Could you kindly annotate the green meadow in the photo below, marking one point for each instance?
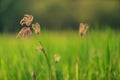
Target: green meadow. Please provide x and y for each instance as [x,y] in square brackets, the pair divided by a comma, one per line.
[94,56]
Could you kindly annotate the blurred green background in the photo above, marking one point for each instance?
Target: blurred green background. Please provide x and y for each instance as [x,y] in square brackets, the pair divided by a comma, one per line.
[60,14]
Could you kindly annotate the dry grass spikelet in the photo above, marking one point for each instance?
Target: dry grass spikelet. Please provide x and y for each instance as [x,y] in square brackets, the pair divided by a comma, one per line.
[82,28]
[36,28]
[27,20]
[25,32]
[57,58]
[33,75]
[40,48]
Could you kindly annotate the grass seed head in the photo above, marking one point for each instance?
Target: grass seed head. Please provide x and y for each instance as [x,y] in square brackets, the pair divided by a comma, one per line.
[36,28]
[57,58]
[33,75]
[25,32]
[27,20]
[41,48]
[82,29]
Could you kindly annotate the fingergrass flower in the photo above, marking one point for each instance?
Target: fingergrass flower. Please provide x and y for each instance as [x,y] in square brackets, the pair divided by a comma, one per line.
[57,58]
[27,20]
[25,32]
[33,75]
[36,28]
[82,28]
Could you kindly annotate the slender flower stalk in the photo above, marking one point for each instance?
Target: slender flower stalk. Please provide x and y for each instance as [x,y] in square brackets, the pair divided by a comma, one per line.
[76,70]
[83,27]
[47,59]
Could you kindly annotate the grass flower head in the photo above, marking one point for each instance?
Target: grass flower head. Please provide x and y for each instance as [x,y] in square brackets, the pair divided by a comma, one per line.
[27,20]
[57,58]
[82,28]
[25,32]
[36,28]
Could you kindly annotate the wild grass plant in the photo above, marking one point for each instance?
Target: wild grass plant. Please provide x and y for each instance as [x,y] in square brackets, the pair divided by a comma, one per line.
[94,56]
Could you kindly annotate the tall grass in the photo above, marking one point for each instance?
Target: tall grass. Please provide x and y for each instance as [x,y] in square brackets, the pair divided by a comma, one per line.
[97,55]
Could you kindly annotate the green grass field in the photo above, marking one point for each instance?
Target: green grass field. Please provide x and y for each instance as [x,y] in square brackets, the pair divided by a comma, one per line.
[95,56]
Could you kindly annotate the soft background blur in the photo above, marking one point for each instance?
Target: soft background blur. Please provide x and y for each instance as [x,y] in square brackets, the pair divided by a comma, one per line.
[60,14]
